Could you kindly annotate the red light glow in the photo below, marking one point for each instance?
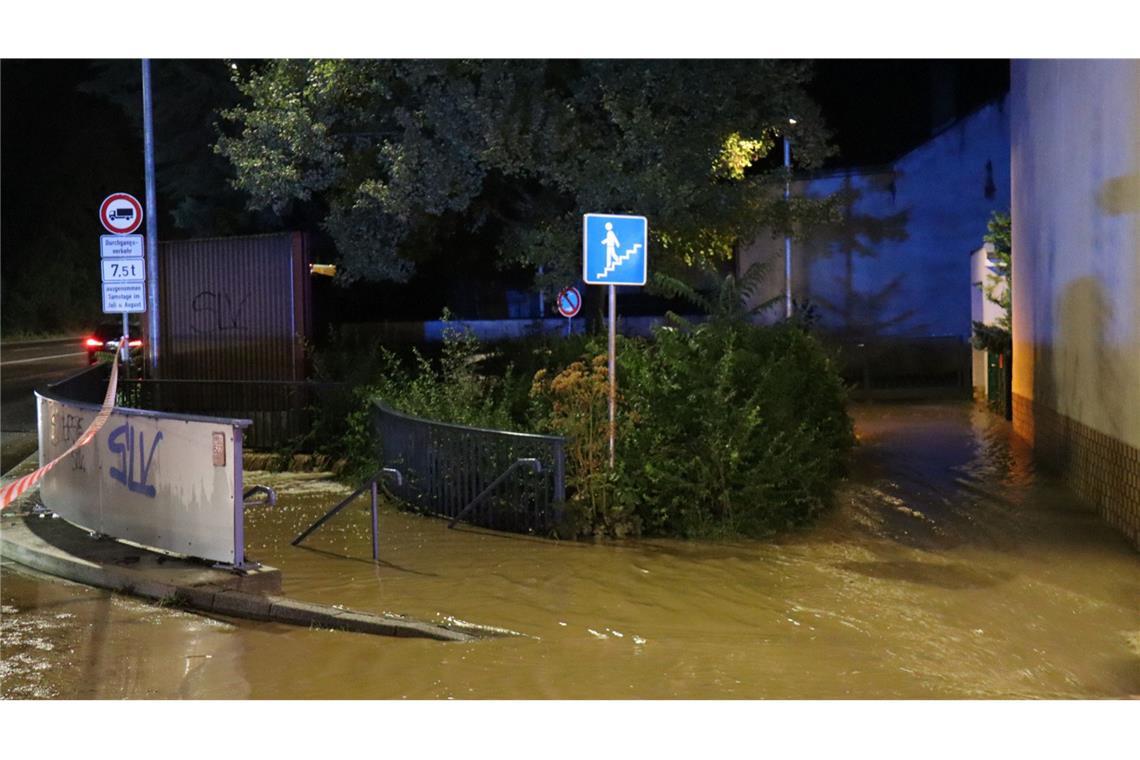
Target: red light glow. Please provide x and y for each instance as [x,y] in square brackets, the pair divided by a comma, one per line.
[93,343]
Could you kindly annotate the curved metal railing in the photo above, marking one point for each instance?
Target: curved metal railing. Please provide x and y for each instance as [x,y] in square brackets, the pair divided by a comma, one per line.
[470,473]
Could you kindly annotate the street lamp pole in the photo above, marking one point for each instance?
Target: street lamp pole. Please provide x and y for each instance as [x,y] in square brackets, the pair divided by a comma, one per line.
[152,322]
[787,235]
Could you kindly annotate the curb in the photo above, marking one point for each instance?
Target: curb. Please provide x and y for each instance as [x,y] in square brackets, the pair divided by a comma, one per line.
[53,546]
[188,584]
[37,542]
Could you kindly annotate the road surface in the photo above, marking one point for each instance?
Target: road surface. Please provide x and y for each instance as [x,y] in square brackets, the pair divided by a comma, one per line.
[24,367]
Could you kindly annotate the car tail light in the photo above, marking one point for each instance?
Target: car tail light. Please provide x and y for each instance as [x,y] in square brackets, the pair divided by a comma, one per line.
[93,343]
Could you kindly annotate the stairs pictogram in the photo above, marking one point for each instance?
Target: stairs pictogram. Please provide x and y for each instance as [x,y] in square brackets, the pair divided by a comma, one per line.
[621,259]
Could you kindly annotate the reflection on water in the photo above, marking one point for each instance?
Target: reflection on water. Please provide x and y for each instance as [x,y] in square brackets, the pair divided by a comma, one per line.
[949,568]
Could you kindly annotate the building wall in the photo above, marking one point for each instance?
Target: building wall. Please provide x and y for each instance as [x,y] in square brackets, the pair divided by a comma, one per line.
[1075,129]
[899,262]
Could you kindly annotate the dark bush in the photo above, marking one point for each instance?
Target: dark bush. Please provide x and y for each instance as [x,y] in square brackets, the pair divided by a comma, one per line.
[724,428]
[736,429]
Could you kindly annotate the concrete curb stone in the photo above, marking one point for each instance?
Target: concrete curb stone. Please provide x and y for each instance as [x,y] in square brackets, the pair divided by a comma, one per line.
[56,547]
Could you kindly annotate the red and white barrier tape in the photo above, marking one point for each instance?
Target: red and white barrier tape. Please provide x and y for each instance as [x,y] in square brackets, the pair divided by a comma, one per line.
[17,488]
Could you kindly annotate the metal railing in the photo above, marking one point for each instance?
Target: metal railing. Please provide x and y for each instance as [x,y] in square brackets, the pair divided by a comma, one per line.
[372,484]
[474,474]
[905,367]
[281,410]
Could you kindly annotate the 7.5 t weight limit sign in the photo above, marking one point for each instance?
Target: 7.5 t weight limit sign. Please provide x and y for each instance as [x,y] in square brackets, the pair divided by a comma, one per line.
[124,270]
[121,254]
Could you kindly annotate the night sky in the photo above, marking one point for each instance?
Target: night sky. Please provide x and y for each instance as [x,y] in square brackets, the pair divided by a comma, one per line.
[63,149]
[880,109]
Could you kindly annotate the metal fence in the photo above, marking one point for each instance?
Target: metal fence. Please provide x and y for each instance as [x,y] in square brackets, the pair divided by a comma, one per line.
[455,471]
[281,411]
[906,368]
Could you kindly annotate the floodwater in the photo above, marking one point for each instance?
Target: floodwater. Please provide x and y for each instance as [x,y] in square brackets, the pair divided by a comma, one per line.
[950,568]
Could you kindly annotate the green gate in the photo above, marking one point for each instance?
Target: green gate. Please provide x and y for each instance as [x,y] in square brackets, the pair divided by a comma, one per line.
[999,373]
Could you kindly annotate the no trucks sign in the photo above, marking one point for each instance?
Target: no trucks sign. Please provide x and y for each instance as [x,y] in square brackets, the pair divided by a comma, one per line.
[121,213]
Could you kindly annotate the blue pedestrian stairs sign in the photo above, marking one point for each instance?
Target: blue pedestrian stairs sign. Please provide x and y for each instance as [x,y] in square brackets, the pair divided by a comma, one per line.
[615,249]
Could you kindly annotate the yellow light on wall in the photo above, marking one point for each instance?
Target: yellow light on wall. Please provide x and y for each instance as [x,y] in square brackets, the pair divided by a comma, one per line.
[328,270]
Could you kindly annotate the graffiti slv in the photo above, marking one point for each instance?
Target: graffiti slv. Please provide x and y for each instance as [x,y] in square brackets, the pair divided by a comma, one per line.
[130,447]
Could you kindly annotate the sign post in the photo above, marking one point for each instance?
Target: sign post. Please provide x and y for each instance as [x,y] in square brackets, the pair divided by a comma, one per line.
[153,335]
[122,262]
[615,251]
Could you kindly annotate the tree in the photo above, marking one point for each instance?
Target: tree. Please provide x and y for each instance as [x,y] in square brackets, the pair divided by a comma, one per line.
[998,287]
[402,155]
[194,184]
[63,152]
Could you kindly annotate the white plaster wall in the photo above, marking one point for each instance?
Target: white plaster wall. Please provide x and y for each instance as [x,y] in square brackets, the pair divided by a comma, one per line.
[982,309]
[1075,130]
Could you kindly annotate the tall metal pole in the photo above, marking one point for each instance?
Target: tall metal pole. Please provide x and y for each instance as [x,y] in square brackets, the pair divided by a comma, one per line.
[152,325]
[613,371]
[787,236]
[541,298]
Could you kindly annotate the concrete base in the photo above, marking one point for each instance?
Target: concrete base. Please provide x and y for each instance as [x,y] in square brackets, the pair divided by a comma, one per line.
[54,546]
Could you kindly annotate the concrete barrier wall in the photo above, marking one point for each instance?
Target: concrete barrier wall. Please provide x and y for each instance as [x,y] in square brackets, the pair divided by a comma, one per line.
[171,482]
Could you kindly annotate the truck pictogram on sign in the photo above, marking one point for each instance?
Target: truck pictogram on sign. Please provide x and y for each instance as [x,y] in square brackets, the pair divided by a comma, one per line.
[121,213]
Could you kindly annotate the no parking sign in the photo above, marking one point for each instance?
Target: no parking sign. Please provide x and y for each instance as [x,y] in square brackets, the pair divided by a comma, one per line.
[569,302]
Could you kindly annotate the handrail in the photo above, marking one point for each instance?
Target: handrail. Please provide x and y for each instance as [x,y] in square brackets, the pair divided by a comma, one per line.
[131,411]
[448,468]
[467,428]
[269,493]
[371,483]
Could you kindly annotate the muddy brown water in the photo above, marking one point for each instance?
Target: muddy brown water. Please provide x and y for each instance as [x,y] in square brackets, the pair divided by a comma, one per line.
[949,568]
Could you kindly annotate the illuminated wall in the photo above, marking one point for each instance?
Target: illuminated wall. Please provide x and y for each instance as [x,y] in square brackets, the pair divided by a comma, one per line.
[899,262]
[1075,130]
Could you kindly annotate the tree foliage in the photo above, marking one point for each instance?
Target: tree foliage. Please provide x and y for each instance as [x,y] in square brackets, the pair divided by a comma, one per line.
[998,287]
[402,152]
[193,182]
[726,428]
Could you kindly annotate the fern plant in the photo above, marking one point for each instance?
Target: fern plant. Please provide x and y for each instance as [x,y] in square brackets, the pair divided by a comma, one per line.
[723,299]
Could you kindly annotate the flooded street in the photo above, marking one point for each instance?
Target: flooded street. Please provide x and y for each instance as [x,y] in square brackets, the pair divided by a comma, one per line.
[950,568]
